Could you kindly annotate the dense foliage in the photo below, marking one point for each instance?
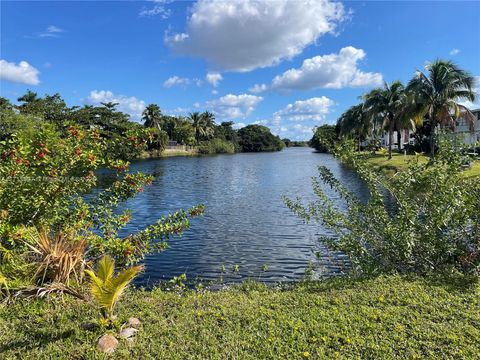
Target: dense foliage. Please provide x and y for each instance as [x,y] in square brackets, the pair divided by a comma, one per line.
[423,219]
[255,138]
[49,230]
[324,138]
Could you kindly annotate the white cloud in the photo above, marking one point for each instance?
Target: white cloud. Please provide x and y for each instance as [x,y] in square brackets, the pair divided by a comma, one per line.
[214,78]
[51,31]
[258,88]
[127,104]
[334,71]
[158,9]
[234,106]
[23,73]
[176,80]
[242,35]
[313,109]
[239,125]
[454,52]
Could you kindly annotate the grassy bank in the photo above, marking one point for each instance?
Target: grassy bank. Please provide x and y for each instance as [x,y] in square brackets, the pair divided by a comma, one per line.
[388,317]
[400,161]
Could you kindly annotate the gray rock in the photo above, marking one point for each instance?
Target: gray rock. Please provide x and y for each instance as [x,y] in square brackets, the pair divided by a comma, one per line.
[127,333]
[89,326]
[134,322]
[107,343]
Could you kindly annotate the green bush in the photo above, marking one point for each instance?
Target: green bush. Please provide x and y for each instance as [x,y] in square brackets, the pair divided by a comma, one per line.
[256,138]
[324,138]
[216,146]
[431,224]
[45,216]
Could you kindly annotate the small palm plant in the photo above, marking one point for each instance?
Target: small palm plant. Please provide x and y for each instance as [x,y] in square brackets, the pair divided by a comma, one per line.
[107,288]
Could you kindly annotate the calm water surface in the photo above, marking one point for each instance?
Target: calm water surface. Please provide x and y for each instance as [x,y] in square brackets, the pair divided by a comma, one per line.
[245,223]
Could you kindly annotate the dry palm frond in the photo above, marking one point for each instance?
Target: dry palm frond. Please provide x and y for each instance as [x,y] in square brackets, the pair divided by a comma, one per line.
[42,291]
[59,256]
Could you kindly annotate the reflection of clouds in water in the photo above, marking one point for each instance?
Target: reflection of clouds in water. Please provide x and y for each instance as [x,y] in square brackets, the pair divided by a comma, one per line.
[245,222]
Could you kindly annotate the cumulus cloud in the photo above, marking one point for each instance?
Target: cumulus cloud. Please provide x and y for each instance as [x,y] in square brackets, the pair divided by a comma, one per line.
[334,71]
[234,106]
[214,78]
[313,109]
[454,52]
[23,73]
[182,81]
[242,35]
[157,9]
[127,104]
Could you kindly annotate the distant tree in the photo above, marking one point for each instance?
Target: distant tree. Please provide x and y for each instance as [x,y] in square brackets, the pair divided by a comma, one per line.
[203,123]
[355,122]
[324,138]
[255,138]
[152,116]
[287,142]
[390,105]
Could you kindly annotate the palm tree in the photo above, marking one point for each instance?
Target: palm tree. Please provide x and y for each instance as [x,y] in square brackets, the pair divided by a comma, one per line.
[203,123]
[152,116]
[390,106]
[208,123]
[436,95]
[355,122]
[107,288]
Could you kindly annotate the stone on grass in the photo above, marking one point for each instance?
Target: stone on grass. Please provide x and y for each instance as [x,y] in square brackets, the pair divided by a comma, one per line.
[89,326]
[107,343]
[127,333]
[134,322]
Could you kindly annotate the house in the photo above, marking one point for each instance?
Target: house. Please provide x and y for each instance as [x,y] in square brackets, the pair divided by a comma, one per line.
[463,133]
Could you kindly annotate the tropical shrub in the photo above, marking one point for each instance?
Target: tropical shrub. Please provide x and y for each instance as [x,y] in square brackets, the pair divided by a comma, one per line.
[49,229]
[216,146]
[423,219]
[324,138]
[255,138]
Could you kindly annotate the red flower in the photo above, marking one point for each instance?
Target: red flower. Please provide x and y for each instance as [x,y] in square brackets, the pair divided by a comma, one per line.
[19,161]
[41,154]
[78,151]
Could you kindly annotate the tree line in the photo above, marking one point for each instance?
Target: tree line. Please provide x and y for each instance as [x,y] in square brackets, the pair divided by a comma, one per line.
[430,101]
[128,139]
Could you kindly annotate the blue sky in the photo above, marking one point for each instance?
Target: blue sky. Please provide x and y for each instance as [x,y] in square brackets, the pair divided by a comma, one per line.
[288,64]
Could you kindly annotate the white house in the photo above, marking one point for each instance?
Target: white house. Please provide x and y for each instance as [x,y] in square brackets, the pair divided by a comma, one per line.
[462,133]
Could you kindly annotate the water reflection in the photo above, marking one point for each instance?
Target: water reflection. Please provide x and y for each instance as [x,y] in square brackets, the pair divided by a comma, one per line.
[245,222]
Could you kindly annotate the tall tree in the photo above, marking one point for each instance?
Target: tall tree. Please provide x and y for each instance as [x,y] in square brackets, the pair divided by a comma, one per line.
[152,116]
[390,106]
[437,93]
[355,122]
[203,123]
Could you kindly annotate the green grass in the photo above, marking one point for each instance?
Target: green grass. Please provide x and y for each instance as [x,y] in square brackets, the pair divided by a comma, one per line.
[383,318]
[400,162]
